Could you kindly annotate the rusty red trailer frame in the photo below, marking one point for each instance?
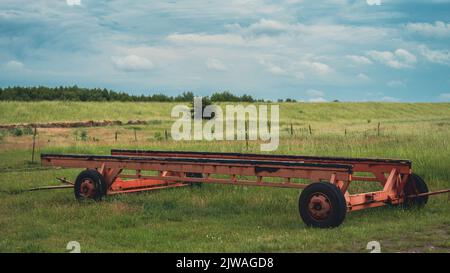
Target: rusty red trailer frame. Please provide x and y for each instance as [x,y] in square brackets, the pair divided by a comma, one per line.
[324,201]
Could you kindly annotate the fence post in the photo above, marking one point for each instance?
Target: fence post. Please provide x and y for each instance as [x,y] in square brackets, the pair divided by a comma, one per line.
[115,136]
[135,135]
[34,144]
[310,130]
[292,130]
[378,129]
[166,135]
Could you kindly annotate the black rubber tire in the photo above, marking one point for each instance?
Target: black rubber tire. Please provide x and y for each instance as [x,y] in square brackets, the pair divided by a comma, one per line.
[415,185]
[335,198]
[98,181]
[195,175]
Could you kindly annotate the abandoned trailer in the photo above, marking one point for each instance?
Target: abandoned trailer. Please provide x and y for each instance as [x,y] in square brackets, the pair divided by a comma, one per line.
[324,201]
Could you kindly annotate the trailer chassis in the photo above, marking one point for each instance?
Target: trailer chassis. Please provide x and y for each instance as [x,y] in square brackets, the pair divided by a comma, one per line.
[324,201]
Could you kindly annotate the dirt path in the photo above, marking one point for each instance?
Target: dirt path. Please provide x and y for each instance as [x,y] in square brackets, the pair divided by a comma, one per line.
[76,124]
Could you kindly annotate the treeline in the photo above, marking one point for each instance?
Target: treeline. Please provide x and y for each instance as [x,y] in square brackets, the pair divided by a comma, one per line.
[75,93]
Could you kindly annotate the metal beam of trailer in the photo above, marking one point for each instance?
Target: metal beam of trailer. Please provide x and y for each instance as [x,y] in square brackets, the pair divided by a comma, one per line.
[359,164]
[294,158]
[369,169]
[193,160]
[177,168]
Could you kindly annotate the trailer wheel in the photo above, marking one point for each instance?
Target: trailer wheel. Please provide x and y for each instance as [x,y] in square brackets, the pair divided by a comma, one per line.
[415,185]
[90,184]
[195,175]
[322,205]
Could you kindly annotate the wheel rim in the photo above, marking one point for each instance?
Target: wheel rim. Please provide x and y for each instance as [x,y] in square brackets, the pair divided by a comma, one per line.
[319,206]
[87,188]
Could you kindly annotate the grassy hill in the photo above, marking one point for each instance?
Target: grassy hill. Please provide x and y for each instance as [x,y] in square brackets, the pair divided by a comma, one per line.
[51,111]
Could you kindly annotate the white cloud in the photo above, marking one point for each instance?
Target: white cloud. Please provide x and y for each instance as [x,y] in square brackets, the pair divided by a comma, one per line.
[396,83]
[315,93]
[363,77]
[406,56]
[359,59]
[398,59]
[264,26]
[73,2]
[292,50]
[390,99]
[207,39]
[303,33]
[438,29]
[445,96]
[276,70]
[292,2]
[272,68]
[373,2]
[308,67]
[132,63]
[317,67]
[299,75]
[435,56]
[251,7]
[318,99]
[13,65]
[215,64]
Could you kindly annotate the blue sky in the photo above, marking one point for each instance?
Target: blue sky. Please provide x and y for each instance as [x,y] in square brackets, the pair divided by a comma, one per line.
[365,50]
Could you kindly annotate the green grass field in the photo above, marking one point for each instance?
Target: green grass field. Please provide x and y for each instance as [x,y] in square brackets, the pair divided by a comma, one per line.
[219,218]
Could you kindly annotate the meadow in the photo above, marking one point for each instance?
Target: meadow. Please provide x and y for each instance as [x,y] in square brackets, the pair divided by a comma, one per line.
[218,218]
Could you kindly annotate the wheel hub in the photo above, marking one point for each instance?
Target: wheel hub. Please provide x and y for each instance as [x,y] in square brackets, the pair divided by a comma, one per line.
[319,206]
[87,188]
